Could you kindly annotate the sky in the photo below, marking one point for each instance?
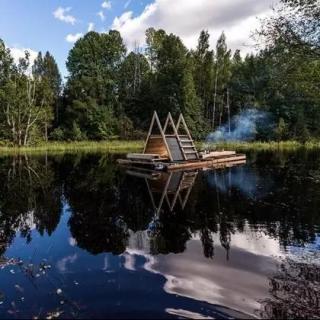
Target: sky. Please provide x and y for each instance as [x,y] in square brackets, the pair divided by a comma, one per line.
[55,25]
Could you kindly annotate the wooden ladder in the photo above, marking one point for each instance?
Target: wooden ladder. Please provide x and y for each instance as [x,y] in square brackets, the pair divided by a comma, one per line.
[185,141]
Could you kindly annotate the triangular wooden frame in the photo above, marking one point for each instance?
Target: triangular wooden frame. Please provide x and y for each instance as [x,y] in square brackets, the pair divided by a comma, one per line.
[155,119]
[176,147]
[176,196]
[170,121]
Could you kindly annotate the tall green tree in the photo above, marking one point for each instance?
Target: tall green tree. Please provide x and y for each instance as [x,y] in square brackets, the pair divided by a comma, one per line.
[203,65]
[45,71]
[133,83]
[92,87]
[172,84]
[295,25]
[222,76]
[22,101]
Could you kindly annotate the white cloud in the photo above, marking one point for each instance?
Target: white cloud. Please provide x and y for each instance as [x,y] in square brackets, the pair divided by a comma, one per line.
[18,53]
[186,18]
[90,26]
[73,37]
[106,5]
[61,14]
[101,15]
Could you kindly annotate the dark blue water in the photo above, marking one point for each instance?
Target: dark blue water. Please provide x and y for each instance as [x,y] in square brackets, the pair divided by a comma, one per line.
[81,237]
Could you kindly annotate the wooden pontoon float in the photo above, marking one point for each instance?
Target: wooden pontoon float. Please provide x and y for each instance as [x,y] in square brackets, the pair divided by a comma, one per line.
[172,148]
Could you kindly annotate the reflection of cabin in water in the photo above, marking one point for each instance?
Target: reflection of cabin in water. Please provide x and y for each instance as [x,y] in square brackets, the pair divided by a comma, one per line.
[172,188]
[171,147]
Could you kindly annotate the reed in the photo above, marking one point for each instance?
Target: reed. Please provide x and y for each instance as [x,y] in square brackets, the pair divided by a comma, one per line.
[118,146]
[114,146]
[262,146]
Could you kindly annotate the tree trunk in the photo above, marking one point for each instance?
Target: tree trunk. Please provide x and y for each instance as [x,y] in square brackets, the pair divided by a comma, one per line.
[46,132]
[214,99]
[228,106]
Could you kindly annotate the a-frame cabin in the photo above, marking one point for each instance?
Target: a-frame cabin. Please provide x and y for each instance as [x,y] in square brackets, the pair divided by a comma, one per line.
[171,147]
[172,142]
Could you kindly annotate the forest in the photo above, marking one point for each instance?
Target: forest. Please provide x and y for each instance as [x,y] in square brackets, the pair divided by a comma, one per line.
[111,93]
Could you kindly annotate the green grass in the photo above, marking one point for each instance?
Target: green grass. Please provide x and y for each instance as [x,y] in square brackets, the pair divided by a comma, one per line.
[117,146]
[262,146]
[114,146]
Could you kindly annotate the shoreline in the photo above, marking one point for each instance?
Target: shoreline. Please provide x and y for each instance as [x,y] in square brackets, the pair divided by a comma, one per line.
[121,146]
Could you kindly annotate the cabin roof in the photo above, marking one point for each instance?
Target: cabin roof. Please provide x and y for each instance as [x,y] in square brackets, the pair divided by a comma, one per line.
[172,141]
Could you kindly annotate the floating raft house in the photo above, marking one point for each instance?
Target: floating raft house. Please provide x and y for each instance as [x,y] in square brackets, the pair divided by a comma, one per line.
[171,147]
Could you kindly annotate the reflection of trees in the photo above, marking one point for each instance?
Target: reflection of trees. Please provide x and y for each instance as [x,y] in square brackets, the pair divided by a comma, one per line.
[294,292]
[106,203]
[29,197]
[172,235]
[92,192]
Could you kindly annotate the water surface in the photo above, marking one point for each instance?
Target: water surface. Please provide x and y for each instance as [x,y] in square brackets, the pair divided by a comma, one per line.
[81,237]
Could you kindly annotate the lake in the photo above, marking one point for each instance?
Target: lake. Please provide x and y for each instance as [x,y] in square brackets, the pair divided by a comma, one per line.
[81,237]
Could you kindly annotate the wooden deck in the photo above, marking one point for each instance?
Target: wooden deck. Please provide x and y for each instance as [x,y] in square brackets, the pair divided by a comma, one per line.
[172,148]
[216,162]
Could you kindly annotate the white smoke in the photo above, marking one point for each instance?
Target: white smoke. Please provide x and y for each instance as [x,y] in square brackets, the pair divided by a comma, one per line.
[243,127]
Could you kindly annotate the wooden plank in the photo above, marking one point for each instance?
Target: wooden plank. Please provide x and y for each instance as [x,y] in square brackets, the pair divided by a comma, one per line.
[217,154]
[206,163]
[150,131]
[144,156]
[193,156]
[163,137]
[156,145]
[147,148]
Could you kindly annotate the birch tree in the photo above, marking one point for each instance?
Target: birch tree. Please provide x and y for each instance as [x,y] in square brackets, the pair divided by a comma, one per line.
[21,109]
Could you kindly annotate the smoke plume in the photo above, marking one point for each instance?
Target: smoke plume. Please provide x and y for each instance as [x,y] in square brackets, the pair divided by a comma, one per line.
[243,127]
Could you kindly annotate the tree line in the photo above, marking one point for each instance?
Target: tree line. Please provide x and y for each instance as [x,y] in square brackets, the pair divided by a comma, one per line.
[110,92]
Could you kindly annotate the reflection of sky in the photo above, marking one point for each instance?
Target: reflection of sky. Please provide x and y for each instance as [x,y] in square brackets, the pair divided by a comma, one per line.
[137,282]
[238,283]
[309,250]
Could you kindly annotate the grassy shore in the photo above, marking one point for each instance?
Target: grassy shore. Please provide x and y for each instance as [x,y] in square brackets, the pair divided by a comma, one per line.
[113,146]
[117,146]
[263,146]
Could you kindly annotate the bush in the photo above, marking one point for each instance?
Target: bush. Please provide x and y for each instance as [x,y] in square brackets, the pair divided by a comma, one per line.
[57,135]
[76,134]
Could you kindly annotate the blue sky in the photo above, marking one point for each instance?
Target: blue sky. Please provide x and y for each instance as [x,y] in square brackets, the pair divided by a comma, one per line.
[53,25]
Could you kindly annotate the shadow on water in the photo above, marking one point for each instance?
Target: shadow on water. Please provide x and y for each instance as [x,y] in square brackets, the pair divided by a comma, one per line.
[61,217]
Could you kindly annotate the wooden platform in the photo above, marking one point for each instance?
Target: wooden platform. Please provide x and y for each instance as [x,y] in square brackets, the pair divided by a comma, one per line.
[216,162]
[172,148]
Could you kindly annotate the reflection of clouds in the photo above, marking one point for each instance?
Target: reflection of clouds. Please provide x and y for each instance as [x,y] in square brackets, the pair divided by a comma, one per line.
[237,284]
[27,221]
[62,264]
[186,314]
[129,261]
[72,242]
[139,240]
[254,242]
[106,264]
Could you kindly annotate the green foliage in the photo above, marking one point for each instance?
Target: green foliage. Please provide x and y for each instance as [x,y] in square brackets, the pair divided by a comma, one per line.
[76,134]
[112,94]
[57,134]
[281,130]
